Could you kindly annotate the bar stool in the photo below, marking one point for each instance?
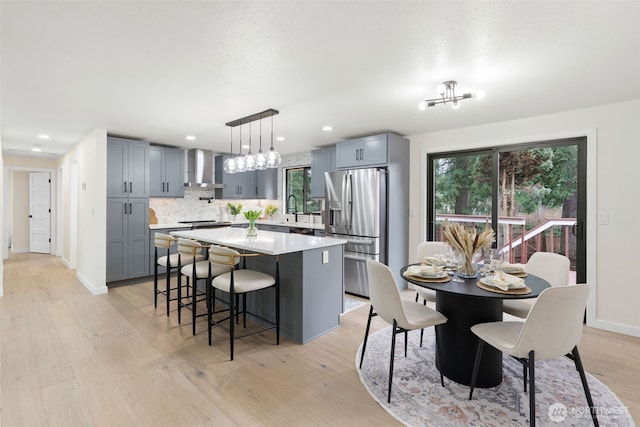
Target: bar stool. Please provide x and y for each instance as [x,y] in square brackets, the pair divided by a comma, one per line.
[195,267]
[164,242]
[239,282]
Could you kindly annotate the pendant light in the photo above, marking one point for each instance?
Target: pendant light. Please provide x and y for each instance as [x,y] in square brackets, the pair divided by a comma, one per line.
[241,165]
[229,164]
[273,157]
[250,159]
[261,159]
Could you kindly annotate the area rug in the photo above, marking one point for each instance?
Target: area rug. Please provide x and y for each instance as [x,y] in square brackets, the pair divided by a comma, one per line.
[351,304]
[418,398]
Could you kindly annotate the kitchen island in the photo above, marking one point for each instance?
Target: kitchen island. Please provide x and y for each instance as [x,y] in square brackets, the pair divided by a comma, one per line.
[311,277]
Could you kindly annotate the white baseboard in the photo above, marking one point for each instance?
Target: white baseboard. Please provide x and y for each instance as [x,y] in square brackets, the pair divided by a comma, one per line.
[615,327]
[19,250]
[65,262]
[93,289]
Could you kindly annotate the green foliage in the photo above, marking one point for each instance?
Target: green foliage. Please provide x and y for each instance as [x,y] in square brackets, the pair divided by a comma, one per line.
[253,214]
[271,210]
[234,209]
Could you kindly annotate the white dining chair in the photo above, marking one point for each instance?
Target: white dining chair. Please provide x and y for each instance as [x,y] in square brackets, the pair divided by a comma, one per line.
[554,268]
[403,315]
[426,249]
[552,329]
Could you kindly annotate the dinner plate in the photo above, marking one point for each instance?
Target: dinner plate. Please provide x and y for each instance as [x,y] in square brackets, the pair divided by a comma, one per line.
[488,280]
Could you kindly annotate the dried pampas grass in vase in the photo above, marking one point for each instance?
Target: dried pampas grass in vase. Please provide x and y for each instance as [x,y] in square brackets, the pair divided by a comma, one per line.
[468,241]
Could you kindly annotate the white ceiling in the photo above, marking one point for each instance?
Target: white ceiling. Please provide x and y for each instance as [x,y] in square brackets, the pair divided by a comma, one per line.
[162,70]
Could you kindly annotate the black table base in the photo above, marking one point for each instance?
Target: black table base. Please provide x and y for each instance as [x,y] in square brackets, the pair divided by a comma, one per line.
[458,344]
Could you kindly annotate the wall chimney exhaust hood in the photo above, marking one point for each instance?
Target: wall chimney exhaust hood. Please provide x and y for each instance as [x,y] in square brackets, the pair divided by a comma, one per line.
[200,169]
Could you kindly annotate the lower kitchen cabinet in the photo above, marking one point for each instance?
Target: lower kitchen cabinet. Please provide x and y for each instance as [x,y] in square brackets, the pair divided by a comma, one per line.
[276,228]
[127,238]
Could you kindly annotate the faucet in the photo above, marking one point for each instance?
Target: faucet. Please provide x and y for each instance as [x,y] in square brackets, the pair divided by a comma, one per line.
[295,206]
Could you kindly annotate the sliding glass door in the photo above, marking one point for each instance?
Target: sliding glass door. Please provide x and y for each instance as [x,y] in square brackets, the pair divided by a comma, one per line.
[533,195]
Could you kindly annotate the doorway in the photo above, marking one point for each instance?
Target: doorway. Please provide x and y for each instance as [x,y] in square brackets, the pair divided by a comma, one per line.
[40,212]
[533,195]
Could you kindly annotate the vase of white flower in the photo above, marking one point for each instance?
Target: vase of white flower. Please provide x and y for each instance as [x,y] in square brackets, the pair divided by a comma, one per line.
[468,242]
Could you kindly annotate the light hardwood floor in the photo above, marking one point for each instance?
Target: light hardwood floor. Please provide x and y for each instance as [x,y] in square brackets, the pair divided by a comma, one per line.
[72,359]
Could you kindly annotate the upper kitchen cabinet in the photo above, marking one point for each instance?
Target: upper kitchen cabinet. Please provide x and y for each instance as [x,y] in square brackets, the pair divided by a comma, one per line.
[267,184]
[127,168]
[166,173]
[322,160]
[360,152]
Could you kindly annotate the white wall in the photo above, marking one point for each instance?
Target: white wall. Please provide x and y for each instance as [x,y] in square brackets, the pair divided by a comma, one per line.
[3,248]
[613,139]
[91,157]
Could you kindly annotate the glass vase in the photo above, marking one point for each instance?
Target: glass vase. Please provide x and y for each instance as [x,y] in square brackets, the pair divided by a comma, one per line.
[468,269]
[252,231]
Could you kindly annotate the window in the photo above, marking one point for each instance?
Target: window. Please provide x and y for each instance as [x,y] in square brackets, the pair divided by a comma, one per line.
[298,194]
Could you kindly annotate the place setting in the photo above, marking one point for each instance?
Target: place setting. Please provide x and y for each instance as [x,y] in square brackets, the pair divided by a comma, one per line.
[504,283]
[427,273]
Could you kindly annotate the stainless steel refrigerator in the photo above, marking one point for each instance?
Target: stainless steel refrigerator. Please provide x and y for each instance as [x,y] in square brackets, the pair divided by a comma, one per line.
[356,209]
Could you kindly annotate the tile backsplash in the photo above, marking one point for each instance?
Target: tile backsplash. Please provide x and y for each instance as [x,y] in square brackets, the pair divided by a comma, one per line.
[191,208]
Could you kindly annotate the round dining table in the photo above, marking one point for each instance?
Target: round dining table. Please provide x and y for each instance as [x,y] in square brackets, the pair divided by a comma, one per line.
[465,304]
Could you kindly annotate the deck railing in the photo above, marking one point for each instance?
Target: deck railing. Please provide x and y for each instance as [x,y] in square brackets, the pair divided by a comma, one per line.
[522,239]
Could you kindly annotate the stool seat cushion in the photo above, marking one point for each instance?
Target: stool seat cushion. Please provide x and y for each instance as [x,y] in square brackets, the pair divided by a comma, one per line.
[243,281]
[174,260]
[202,270]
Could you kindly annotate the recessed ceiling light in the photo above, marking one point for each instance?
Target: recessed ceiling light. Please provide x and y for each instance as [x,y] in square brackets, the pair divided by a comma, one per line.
[43,136]
[327,128]
[280,138]
[36,148]
[191,137]
[245,145]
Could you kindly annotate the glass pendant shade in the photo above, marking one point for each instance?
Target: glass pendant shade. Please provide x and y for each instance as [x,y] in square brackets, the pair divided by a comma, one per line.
[273,158]
[229,166]
[261,161]
[241,165]
[250,162]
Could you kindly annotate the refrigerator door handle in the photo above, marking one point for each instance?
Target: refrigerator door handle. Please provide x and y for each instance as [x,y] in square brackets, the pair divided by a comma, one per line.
[350,202]
[361,241]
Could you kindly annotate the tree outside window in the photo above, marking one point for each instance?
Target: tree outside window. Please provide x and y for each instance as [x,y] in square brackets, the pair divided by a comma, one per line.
[298,195]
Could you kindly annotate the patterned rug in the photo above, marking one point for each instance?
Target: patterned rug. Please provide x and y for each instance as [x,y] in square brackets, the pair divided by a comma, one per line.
[351,304]
[418,399]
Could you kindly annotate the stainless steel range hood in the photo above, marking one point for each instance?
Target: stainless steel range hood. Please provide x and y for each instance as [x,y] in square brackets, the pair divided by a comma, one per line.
[200,169]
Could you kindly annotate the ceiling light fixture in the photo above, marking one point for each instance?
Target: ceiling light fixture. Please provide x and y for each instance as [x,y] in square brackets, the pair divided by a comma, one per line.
[273,158]
[261,159]
[327,128]
[280,138]
[241,165]
[229,164]
[43,136]
[250,159]
[258,161]
[447,91]
[36,148]
[190,138]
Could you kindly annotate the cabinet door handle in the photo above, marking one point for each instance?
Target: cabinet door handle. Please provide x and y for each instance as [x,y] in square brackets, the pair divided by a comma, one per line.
[130,208]
[361,154]
[163,187]
[125,186]
[125,208]
[130,187]
[167,187]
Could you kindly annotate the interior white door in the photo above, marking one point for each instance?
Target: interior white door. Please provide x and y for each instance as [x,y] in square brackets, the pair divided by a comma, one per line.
[40,212]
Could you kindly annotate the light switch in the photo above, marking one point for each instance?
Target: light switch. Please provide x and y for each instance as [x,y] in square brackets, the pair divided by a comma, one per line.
[603,218]
[325,257]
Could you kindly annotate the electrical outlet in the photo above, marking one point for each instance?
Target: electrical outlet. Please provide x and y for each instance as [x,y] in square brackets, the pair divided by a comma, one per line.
[603,218]
[325,257]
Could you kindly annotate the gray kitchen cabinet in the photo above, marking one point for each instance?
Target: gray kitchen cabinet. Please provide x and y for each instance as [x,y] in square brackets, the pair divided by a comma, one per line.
[366,151]
[267,184]
[322,160]
[127,168]
[127,238]
[166,172]
[276,228]
[240,185]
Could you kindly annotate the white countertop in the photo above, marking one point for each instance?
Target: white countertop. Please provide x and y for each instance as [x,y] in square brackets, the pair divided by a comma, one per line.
[267,242]
[260,221]
[169,225]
